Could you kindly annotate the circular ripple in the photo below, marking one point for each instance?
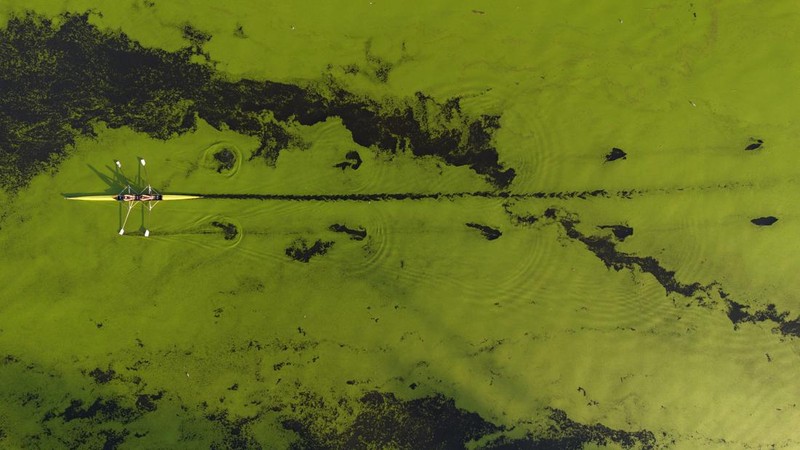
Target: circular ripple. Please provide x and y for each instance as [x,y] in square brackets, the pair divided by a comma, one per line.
[677,236]
[376,248]
[222,157]
[528,143]
[212,231]
[371,175]
[355,256]
[513,270]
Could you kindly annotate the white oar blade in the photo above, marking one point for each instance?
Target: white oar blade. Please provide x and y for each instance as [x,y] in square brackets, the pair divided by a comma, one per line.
[146,233]
[121,231]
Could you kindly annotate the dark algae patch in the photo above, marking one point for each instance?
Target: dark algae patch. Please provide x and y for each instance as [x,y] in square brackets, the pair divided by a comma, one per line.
[488,233]
[790,327]
[353,161]
[101,421]
[100,410]
[113,438]
[615,154]
[606,250]
[274,138]
[230,230]
[425,127]
[239,32]
[59,80]
[379,66]
[147,402]
[764,221]
[83,76]
[388,422]
[566,434]
[236,432]
[356,234]
[102,376]
[435,422]
[755,145]
[300,250]
[739,313]
[225,159]
[197,38]
[621,232]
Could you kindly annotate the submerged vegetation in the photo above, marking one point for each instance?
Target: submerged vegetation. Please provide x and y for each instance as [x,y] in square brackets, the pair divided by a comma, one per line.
[62,76]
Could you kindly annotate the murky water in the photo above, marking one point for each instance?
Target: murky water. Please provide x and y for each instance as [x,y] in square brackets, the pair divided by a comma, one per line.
[416,234]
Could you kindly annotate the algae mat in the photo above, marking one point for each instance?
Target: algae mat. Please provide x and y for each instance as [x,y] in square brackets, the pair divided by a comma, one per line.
[448,225]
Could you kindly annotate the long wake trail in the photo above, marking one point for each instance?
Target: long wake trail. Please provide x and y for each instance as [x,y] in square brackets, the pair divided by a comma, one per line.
[403,196]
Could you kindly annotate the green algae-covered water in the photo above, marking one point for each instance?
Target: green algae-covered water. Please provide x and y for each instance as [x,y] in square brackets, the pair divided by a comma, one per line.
[426,225]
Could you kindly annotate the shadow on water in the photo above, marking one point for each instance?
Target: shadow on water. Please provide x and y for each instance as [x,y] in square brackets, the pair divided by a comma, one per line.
[114,183]
[118,180]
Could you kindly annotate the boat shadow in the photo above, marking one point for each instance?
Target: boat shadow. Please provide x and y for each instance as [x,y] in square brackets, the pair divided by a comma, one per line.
[117,181]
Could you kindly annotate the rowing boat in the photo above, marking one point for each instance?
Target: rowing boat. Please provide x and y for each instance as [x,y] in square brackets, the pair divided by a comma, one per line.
[116,198]
[148,197]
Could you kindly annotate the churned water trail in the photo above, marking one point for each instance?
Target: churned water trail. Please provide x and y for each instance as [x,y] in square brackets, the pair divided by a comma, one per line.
[402,196]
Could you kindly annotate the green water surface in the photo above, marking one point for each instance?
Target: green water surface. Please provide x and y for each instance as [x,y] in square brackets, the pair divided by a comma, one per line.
[231,339]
